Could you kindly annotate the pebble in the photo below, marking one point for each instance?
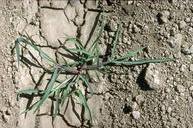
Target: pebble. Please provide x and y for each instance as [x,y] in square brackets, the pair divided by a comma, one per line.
[129,2]
[125,40]
[187,20]
[139,99]
[167,90]
[191,67]
[136,115]
[134,106]
[169,110]
[187,51]
[191,88]
[111,34]
[182,24]
[152,76]
[183,68]
[173,31]
[136,29]
[175,41]
[180,88]
[163,16]
[112,25]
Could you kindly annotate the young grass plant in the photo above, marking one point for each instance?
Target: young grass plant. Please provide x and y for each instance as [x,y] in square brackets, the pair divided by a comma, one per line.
[86,59]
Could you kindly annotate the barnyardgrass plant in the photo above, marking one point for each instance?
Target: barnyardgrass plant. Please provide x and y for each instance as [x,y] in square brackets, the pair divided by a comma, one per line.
[85,59]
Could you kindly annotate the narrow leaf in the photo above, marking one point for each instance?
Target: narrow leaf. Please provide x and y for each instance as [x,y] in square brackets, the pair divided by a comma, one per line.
[84,103]
[56,106]
[131,54]
[49,88]
[86,83]
[30,42]
[143,61]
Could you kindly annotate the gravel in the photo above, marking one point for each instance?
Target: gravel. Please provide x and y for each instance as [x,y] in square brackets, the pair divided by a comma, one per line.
[134,106]
[169,110]
[191,67]
[136,29]
[191,88]
[187,51]
[182,24]
[112,25]
[139,99]
[136,115]
[175,41]
[163,16]
[180,88]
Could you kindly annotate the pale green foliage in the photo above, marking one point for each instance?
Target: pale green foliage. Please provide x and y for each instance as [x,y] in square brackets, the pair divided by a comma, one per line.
[86,60]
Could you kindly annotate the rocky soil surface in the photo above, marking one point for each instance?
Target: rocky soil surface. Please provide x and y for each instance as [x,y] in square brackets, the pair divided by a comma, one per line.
[144,96]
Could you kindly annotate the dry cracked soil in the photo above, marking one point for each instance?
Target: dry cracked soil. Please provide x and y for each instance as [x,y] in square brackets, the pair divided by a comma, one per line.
[144,96]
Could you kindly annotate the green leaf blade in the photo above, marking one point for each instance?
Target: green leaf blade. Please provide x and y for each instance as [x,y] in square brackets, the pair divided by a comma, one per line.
[143,61]
[84,103]
[48,90]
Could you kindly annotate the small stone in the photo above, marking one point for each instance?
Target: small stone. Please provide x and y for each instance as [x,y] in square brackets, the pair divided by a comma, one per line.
[129,2]
[112,25]
[191,67]
[139,99]
[163,16]
[145,28]
[169,110]
[107,96]
[136,115]
[136,29]
[183,68]
[189,99]
[182,24]
[180,88]
[191,49]
[152,76]
[111,34]
[163,108]
[167,90]
[187,20]
[125,40]
[191,88]
[173,31]
[187,51]
[134,106]
[175,41]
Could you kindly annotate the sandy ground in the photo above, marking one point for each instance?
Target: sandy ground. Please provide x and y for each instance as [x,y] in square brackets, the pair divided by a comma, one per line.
[145,96]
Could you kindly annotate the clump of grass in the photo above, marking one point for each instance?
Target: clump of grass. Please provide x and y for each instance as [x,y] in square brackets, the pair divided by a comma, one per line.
[86,59]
